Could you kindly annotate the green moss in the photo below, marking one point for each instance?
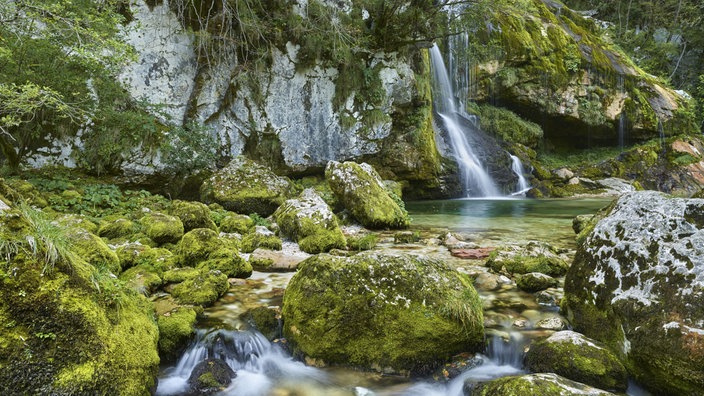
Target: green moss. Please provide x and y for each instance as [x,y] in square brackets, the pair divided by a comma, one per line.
[261,239]
[178,275]
[176,328]
[407,237]
[534,384]
[532,283]
[265,320]
[509,127]
[95,251]
[236,223]
[362,242]
[196,245]
[519,264]
[142,279]
[323,241]
[117,228]
[202,289]
[229,262]
[193,215]
[162,228]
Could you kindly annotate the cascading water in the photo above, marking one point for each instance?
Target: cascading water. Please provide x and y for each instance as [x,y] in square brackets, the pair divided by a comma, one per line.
[522,185]
[475,180]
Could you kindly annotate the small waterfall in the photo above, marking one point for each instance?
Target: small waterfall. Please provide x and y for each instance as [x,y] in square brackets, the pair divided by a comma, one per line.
[661,133]
[259,364]
[621,130]
[517,167]
[476,182]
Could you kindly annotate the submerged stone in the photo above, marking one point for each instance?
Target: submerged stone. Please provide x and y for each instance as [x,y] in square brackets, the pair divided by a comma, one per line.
[398,313]
[535,257]
[637,284]
[535,281]
[210,376]
[361,191]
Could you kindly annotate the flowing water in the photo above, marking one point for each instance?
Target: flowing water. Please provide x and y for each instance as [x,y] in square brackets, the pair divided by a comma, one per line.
[475,179]
[522,185]
[265,368]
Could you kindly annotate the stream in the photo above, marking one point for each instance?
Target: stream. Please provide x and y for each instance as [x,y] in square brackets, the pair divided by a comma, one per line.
[512,317]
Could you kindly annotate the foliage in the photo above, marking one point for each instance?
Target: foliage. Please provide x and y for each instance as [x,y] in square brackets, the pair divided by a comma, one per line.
[48,50]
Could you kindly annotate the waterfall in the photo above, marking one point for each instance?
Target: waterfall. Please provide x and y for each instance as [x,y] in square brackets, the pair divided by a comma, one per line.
[476,182]
[259,364]
[517,167]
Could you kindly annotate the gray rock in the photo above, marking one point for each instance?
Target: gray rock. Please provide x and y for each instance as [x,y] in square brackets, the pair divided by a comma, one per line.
[532,384]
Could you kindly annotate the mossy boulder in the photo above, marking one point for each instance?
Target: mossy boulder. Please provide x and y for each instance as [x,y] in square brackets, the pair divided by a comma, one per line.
[381,311]
[310,221]
[574,356]
[265,320]
[94,250]
[636,285]
[210,376]
[244,186]
[535,281]
[162,228]
[261,237]
[142,279]
[196,245]
[362,241]
[238,223]
[229,262]
[69,328]
[117,228]
[193,215]
[135,253]
[202,287]
[361,191]
[534,257]
[176,328]
[533,384]
[77,221]
[178,275]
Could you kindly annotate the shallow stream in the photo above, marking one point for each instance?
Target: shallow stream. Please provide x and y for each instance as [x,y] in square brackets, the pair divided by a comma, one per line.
[512,317]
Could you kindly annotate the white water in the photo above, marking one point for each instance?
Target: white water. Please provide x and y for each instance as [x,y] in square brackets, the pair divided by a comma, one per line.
[476,182]
[522,185]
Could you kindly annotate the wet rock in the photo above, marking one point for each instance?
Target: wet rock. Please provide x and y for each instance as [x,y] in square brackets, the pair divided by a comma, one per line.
[286,259]
[574,356]
[534,257]
[535,281]
[392,312]
[265,320]
[456,366]
[552,323]
[406,237]
[361,191]
[636,285]
[246,187]
[521,323]
[472,254]
[459,241]
[545,298]
[487,282]
[532,384]
[210,376]
[310,221]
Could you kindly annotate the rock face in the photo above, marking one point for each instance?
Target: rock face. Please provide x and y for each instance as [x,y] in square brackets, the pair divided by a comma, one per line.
[388,312]
[361,191]
[310,221]
[578,358]
[637,285]
[534,384]
[244,186]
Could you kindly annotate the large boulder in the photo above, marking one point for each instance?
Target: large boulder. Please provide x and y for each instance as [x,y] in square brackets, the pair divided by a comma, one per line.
[533,384]
[574,356]
[361,191]
[636,284]
[244,186]
[310,221]
[67,327]
[397,313]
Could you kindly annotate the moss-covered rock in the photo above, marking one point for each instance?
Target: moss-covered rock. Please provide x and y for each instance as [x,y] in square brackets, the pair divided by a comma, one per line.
[310,221]
[193,215]
[202,287]
[135,253]
[178,275]
[636,285]
[533,384]
[534,257]
[162,228]
[210,376]
[196,245]
[265,320]
[176,328]
[229,262]
[361,242]
[574,356]
[238,223]
[142,279]
[67,327]
[261,237]
[244,186]
[94,250]
[72,220]
[361,191]
[381,311]
[535,281]
[114,228]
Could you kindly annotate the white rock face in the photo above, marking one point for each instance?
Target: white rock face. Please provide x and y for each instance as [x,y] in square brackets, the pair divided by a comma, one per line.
[165,71]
